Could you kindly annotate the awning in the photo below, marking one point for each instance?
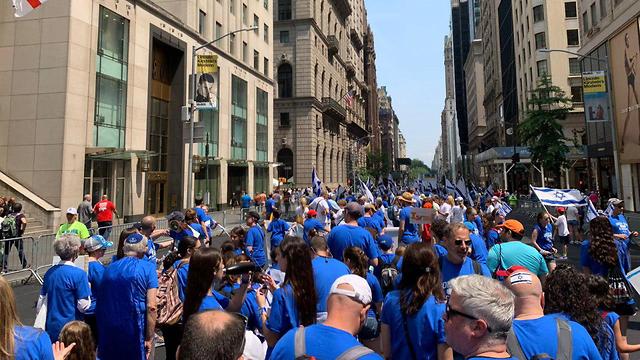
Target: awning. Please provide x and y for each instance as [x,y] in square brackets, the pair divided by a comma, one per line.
[116,154]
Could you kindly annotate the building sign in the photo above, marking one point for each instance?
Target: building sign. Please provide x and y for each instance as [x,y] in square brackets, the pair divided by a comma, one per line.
[625,72]
[596,98]
[207,82]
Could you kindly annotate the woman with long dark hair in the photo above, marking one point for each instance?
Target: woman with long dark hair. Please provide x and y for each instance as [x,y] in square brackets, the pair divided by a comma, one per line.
[358,262]
[542,239]
[412,324]
[205,269]
[294,303]
[237,236]
[567,295]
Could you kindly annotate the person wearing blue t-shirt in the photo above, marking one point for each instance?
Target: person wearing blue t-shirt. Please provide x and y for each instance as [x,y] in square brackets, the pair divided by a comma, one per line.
[245,200]
[178,228]
[278,228]
[65,288]
[471,214]
[127,313]
[542,239]
[350,234]
[348,303]
[530,323]
[457,263]
[478,246]
[387,255]
[620,225]
[370,221]
[512,251]
[311,223]
[325,271]
[478,315]
[95,246]
[269,205]
[407,231]
[411,316]
[254,240]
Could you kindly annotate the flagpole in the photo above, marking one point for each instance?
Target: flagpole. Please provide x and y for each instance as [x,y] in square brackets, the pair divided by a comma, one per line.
[537,197]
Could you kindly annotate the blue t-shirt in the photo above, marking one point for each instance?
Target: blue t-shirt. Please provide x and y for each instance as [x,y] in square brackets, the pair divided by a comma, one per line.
[607,340]
[449,270]
[31,344]
[345,236]
[492,238]
[284,312]
[426,327]
[620,225]
[376,294]
[197,227]
[121,316]
[478,248]
[309,225]
[384,259]
[530,333]
[246,201]
[410,234]
[183,271]
[201,214]
[255,239]
[250,308]
[209,302]
[371,222]
[64,285]
[478,222]
[325,272]
[545,237]
[94,273]
[268,205]
[512,253]
[586,260]
[321,341]
[278,228]
[152,252]
[178,236]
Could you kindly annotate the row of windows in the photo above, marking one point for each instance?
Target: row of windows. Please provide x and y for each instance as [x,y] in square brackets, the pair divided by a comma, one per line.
[590,17]
[570,11]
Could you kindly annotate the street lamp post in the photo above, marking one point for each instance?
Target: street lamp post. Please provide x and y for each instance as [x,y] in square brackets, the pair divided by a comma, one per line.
[614,135]
[353,168]
[192,102]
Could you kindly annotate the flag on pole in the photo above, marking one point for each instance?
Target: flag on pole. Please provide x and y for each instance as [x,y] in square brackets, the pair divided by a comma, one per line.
[559,197]
[340,191]
[504,209]
[366,191]
[23,7]
[489,191]
[609,210]
[592,213]
[392,184]
[316,182]
[449,187]
[348,97]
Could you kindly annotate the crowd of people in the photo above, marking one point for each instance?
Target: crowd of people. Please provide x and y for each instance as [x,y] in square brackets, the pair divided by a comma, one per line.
[335,283]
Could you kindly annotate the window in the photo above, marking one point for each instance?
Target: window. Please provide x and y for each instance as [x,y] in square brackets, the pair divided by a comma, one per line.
[541,41]
[266,4]
[245,15]
[210,119]
[594,15]
[245,52]
[232,44]
[232,7]
[218,29]
[574,66]
[572,37]
[284,37]
[603,9]
[284,120]
[202,21]
[585,22]
[285,81]
[265,70]
[256,60]
[111,80]
[576,94]
[238,118]
[538,13]
[542,68]
[570,9]
[284,9]
[265,33]
[262,121]
[256,24]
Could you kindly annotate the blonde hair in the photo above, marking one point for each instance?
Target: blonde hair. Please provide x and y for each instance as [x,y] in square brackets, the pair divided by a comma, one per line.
[80,333]
[450,200]
[8,320]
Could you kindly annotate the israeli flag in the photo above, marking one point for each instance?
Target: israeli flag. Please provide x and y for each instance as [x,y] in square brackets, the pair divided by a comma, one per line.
[450,188]
[559,197]
[316,182]
[505,209]
[489,191]
[592,213]
[609,210]
[366,191]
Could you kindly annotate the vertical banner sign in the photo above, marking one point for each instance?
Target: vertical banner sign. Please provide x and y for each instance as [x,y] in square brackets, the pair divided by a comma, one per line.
[596,100]
[207,78]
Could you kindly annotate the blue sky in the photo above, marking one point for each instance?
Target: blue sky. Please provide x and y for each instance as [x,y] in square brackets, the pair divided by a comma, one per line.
[409,38]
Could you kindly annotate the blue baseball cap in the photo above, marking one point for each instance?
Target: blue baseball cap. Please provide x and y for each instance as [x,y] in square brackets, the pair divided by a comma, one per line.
[134,238]
[96,242]
[385,242]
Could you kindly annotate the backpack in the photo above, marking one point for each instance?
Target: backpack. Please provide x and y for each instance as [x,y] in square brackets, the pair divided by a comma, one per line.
[565,343]
[168,298]
[618,285]
[9,227]
[300,346]
[388,274]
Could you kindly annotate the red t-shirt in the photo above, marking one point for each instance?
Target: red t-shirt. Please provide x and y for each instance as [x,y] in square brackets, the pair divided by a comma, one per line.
[104,211]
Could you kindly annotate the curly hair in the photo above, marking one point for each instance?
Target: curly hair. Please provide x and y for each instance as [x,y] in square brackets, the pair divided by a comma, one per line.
[357,261]
[599,289]
[565,291]
[420,278]
[603,247]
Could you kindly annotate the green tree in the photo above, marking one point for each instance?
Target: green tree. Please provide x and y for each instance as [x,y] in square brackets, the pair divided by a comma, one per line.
[418,168]
[377,166]
[541,130]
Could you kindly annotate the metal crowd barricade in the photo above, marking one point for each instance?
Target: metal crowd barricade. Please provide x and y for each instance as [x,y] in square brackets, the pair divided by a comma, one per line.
[18,255]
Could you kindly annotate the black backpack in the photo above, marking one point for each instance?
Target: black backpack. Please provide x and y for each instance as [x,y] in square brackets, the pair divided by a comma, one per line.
[388,275]
[618,285]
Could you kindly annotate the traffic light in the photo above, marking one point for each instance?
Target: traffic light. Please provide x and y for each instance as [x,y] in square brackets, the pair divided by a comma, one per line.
[515,158]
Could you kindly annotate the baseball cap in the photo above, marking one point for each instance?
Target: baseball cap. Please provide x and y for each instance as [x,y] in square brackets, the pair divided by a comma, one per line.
[96,242]
[459,198]
[513,225]
[176,215]
[312,213]
[72,211]
[134,238]
[560,209]
[385,242]
[615,201]
[511,270]
[361,291]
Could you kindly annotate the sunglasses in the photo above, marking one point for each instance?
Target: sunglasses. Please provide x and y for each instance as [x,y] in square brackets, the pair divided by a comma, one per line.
[459,242]
[449,312]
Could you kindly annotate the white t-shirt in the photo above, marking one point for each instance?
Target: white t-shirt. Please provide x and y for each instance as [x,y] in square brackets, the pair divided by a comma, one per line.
[572,213]
[561,223]
[445,208]
[456,214]
[321,206]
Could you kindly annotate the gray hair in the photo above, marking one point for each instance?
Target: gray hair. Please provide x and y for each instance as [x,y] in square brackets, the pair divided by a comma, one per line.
[134,249]
[67,246]
[486,299]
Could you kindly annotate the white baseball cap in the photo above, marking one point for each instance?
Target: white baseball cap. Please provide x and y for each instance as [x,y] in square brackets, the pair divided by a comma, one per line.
[72,211]
[361,291]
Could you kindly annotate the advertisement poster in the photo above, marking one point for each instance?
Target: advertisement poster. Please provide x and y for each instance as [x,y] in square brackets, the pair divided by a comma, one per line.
[421,216]
[207,82]
[596,100]
[625,70]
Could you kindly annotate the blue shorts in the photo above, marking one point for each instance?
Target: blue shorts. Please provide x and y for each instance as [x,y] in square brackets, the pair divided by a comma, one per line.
[573,222]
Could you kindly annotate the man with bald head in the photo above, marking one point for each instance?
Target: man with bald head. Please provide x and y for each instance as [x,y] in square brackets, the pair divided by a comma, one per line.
[147,227]
[536,335]
[348,303]
[212,335]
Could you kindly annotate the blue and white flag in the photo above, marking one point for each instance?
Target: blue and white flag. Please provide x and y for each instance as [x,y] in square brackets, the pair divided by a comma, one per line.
[592,213]
[391,184]
[366,192]
[609,210]
[504,209]
[559,197]
[489,191]
[340,190]
[316,183]
[449,187]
